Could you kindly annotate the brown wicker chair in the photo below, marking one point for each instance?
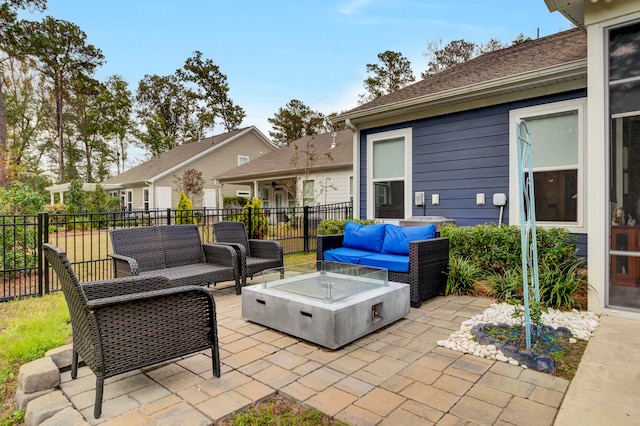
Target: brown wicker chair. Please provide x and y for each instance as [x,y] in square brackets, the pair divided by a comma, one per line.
[253,255]
[124,324]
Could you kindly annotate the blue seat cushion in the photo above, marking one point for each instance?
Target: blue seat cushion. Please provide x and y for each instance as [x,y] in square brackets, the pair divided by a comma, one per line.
[392,262]
[397,238]
[345,255]
[363,237]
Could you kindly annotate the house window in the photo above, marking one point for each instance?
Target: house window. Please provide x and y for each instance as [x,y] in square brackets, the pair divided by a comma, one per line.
[242,159]
[308,192]
[145,198]
[556,135]
[129,199]
[388,171]
[265,197]
[291,200]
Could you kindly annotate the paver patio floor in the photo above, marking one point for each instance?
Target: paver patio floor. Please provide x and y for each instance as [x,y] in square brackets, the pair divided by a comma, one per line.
[395,376]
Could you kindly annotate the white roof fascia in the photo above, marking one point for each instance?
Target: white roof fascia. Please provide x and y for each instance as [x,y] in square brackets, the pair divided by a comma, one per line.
[573,10]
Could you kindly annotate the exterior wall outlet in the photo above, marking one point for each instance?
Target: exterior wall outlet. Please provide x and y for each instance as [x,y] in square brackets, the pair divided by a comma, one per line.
[435,199]
[480,199]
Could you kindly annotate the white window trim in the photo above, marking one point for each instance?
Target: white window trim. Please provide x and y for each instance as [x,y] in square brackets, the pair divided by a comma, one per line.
[579,105]
[243,157]
[407,134]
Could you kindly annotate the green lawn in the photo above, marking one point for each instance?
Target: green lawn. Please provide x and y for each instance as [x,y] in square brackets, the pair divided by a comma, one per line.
[28,329]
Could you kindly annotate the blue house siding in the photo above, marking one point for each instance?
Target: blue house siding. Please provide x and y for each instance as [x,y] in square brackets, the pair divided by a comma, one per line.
[458,156]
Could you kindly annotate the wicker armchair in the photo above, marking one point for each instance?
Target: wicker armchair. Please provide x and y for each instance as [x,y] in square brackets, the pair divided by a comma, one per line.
[253,255]
[124,324]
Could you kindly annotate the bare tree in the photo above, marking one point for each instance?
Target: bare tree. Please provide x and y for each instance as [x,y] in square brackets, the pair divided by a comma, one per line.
[191,183]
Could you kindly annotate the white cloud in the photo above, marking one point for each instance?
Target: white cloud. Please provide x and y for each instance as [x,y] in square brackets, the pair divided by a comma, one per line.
[352,7]
[345,100]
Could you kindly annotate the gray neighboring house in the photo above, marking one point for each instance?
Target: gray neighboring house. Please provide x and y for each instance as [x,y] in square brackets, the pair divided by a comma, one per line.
[450,140]
[312,170]
[152,184]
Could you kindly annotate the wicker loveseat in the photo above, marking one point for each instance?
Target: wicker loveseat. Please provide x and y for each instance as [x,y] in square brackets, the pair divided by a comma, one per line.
[123,324]
[413,255]
[175,252]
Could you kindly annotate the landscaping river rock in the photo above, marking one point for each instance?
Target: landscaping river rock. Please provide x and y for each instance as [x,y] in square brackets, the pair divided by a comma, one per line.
[472,339]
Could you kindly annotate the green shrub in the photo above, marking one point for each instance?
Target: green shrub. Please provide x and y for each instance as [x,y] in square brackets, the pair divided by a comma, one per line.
[259,226]
[20,198]
[497,248]
[57,208]
[560,282]
[184,214]
[77,197]
[506,285]
[462,275]
[234,202]
[18,243]
[496,251]
[336,226]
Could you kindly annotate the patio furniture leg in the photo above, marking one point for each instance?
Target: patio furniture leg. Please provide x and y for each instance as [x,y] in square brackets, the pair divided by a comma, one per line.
[97,407]
[215,359]
[74,364]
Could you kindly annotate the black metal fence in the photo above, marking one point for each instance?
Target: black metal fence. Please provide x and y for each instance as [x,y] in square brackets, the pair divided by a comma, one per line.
[85,238]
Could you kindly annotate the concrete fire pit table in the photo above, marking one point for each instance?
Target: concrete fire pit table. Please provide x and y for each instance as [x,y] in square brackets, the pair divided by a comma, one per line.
[327,303]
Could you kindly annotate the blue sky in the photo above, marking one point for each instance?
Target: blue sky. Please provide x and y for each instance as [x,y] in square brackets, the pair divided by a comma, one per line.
[274,51]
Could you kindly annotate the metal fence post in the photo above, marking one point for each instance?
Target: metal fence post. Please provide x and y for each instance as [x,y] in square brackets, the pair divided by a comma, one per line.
[169,216]
[305,228]
[250,222]
[43,265]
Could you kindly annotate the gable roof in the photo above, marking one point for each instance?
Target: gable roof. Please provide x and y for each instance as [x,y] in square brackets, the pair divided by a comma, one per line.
[282,161]
[180,156]
[546,61]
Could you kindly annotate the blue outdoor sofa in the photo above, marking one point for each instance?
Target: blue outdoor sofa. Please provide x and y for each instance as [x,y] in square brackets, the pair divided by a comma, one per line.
[414,255]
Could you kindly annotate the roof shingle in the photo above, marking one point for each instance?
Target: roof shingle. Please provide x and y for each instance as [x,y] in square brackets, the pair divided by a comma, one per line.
[165,161]
[283,160]
[546,52]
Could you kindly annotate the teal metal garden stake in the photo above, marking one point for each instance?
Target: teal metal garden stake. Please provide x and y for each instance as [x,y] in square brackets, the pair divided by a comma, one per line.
[528,241]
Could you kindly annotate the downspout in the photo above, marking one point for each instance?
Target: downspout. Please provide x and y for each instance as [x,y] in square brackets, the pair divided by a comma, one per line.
[356,167]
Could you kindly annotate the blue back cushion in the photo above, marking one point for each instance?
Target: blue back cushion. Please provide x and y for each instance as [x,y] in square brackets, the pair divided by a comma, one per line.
[396,238]
[363,237]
